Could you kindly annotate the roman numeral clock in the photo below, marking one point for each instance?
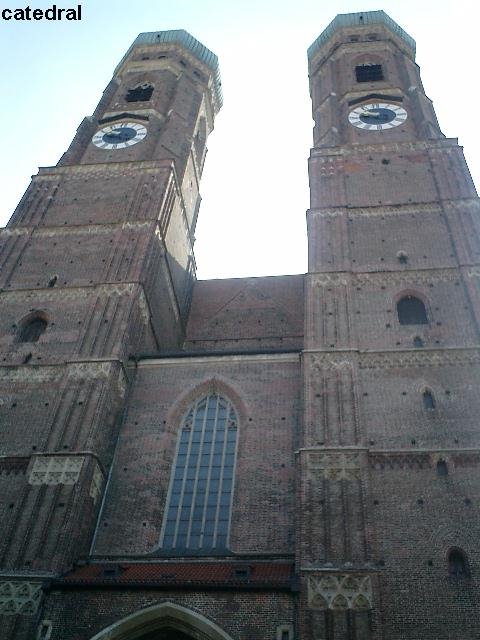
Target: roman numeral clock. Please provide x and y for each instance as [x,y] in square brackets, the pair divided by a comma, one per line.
[377,116]
[119,136]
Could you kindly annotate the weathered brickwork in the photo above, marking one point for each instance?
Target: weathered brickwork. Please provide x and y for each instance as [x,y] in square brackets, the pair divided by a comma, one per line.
[247,314]
[241,615]
[265,392]
[276,458]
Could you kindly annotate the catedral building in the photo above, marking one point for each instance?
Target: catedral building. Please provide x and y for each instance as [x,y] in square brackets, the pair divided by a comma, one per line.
[275,458]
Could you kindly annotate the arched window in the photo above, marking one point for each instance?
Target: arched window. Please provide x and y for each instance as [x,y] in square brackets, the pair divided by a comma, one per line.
[142,93]
[457,564]
[201,486]
[428,400]
[32,329]
[411,310]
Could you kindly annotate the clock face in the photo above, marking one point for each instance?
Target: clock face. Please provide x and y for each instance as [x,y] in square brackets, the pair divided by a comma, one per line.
[119,136]
[375,116]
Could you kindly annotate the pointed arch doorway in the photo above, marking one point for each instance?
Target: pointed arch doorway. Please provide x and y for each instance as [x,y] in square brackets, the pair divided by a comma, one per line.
[166,621]
[168,634]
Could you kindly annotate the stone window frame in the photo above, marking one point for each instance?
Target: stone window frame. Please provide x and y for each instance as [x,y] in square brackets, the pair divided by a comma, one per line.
[185,471]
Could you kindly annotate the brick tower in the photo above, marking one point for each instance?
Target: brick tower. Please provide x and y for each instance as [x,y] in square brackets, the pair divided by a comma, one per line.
[279,458]
[390,454]
[97,264]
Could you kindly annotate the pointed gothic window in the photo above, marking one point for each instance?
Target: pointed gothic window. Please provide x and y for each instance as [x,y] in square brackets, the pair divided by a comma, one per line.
[411,310]
[142,93]
[457,564]
[32,329]
[197,516]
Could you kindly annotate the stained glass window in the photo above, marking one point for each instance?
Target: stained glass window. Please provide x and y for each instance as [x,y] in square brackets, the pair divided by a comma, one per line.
[201,485]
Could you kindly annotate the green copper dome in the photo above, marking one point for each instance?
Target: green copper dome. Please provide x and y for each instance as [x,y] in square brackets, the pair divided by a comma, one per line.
[359,19]
[196,48]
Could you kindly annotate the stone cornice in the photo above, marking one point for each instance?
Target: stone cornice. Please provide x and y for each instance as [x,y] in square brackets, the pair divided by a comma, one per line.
[221,359]
[462,205]
[423,458]
[148,166]
[63,293]
[50,232]
[393,359]
[376,278]
[417,358]
[72,371]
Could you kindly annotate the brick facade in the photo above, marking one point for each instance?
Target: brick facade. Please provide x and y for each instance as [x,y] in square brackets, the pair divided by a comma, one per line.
[352,433]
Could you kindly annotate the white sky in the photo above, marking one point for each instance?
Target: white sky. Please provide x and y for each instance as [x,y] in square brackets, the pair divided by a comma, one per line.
[255,185]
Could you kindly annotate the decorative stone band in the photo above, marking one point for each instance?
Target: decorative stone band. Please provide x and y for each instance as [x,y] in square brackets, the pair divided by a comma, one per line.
[14,464]
[423,459]
[334,465]
[462,206]
[335,361]
[330,279]
[326,360]
[108,169]
[389,279]
[340,591]
[72,293]
[54,470]
[443,145]
[426,358]
[19,597]
[74,372]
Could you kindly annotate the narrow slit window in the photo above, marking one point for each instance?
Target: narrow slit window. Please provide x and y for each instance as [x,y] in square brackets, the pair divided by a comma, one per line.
[428,400]
[369,73]
[201,487]
[457,564]
[442,468]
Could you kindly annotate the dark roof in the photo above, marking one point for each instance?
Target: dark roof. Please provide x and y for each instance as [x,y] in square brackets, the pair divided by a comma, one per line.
[361,18]
[236,575]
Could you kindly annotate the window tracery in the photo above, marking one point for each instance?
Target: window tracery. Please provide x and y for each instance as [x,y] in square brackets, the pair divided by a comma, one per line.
[201,486]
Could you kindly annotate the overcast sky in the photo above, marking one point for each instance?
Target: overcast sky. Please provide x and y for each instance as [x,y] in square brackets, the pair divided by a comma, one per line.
[255,185]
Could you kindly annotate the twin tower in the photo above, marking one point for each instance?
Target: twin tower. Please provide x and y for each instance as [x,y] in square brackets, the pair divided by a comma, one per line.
[283,458]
